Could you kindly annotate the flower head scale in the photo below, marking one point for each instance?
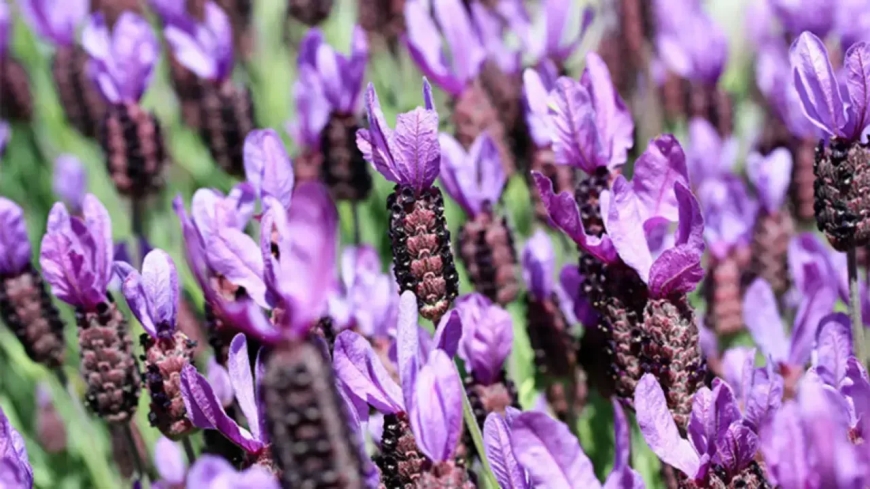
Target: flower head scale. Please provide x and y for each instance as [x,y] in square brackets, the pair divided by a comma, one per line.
[206,410]
[54,20]
[552,457]
[14,242]
[717,436]
[205,48]
[475,178]
[410,154]
[17,472]
[122,60]
[70,181]
[729,214]
[338,77]
[770,175]
[424,41]
[153,294]
[798,16]
[591,126]
[821,96]
[487,337]
[76,254]
[688,40]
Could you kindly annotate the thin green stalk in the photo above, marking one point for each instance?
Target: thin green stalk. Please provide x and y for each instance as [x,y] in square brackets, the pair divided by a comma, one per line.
[477,437]
[188,450]
[855,308]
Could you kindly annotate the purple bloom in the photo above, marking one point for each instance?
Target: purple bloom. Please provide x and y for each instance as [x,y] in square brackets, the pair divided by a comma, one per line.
[833,349]
[762,318]
[122,61]
[820,93]
[410,155]
[573,301]
[15,469]
[267,167]
[214,471]
[206,411]
[709,157]
[797,16]
[14,242]
[487,337]
[556,44]
[153,295]
[370,298]
[497,443]
[757,390]
[855,387]
[220,382]
[537,85]
[552,457]
[770,175]
[169,11]
[812,263]
[5,27]
[205,48]
[70,181]
[424,41]
[717,434]
[491,29]
[729,214]
[689,42]
[170,463]
[539,265]
[337,77]
[853,22]
[55,20]
[592,127]
[773,75]
[76,255]
[312,111]
[474,179]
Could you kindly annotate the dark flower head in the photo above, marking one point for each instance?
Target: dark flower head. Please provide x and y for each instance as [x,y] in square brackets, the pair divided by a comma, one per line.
[70,181]
[487,337]
[689,42]
[14,242]
[153,294]
[473,178]
[770,175]
[268,167]
[123,60]
[205,48]
[337,77]
[806,15]
[17,472]
[424,41]
[729,214]
[410,155]
[821,95]
[55,20]
[76,254]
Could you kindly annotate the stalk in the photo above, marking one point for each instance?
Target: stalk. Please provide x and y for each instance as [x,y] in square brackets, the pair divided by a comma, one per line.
[855,308]
[188,450]
[477,438]
[134,450]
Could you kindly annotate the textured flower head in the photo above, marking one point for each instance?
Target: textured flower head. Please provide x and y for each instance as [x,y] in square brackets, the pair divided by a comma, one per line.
[215,471]
[689,42]
[70,181]
[267,167]
[770,175]
[55,20]
[758,390]
[537,85]
[76,254]
[338,77]
[491,29]
[205,48]
[14,242]
[153,294]
[487,337]
[475,178]
[717,435]
[591,126]
[821,95]
[774,78]
[206,411]
[16,471]
[539,265]
[729,214]
[550,455]
[424,40]
[370,300]
[410,154]
[122,61]
[709,156]
[816,16]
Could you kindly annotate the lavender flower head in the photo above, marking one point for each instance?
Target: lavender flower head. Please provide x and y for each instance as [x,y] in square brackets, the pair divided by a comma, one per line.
[689,42]
[337,77]
[76,254]
[15,469]
[70,181]
[770,175]
[54,20]
[153,294]
[474,179]
[205,48]
[717,436]
[487,337]
[215,471]
[797,16]
[424,41]
[729,214]
[409,155]
[14,242]
[709,156]
[122,61]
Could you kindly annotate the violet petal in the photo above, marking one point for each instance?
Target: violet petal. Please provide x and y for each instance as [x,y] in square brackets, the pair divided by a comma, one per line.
[435,412]
[659,430]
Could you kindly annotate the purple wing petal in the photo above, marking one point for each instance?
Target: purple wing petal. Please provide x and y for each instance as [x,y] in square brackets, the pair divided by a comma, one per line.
[160,282]
[497,443]
[623,217]
[539,262]
[458,177]
[435,412]
[761,316]
[576,140]
[817,86]
[449,333]
[239,368]
[487,337]
[857,79]
[100,227]
[621,437]
[219,379]
[771,176]
[237,257]
[737,447]
[806,323]
[362,372]
[188,41]
[611,116]
[134,53]
[70,181]
[535,95]
[376,142]
[267,166]
[550,453]
[14,243]
[424,43]
[490,171]
[658,169]
[169,461]
[785,449]
[133,288]
[417,152]
[833,348]
[409,358]
[764,397]
[465,49]
[678,269]
[659,430]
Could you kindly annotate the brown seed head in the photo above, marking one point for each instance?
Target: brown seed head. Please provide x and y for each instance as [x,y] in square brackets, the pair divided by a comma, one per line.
[310,12]
[770,241]
[723,289]
[164,358]
[27,309]
[133,144]
[14,91]
[81,101]
[344,170]
[486,246]
[842,193]
[400,460]
[226,117]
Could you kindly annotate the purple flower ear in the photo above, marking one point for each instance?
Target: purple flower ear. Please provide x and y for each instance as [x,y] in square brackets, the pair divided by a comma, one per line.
[487,337]
[576,139]
[812,309]
[56,21]
[70,181]
[833,348]
[473,178]
[244,385]
[712,413]
[14,242]
[857,76]
[771,176]
[659,430]
[761,316]
[435,412]
[613,120]
[267,166]
[535,94]
[237,257]
[204,48]
[500,453]
[219,379]
[539,261]
[122,61]
[5,27]
[363,374]
[817,85]
[678,270]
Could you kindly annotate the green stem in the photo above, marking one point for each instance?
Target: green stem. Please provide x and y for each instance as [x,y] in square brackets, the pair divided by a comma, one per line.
[477,438]
[188,450]
[855,308]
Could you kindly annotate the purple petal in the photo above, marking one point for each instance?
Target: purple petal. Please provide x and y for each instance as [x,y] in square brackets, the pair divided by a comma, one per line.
[267,166]
[237,257]
[169,461]
[764,397]
[376,142]
[133,288]
[817,86]
[449,333]
[458,175]
[100,227]
[205,410]
[14,242]
[712,414]
[362,372]
[424,43]
[55,21]
[435,412]
[409,358]
[219,379]
[833,348]
[809,315]
[500,453]
[466,51]
[70,181]
[490,177]
[785,449]
[771,176]
[622,215]
[537,114]
[576,140]
[66,261]
[625,478]
[658,169]
[417,152]
[17,472]
[659,430]
[676,271]
[487,337]
[191,45]
[160,283]
[550,453]
[761,316]
[856,389]
[614,122]
[539,261]
[125,62]
[857,78]
[239,368]
[737,447]
[621,437]
[246,316]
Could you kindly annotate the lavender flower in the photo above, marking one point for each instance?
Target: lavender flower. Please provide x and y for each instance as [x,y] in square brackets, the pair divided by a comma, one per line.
[220,382]
[5,136]
[369,300]
[70,181]
[170,464]
[205,48]
[770,177]
[474,179]
[773,76]
[758,390]
[720,447]
[689,42]
[338,77]
[267,167]
[213,471]
[17,472]
[14,243]
[798,16]
[709,156]
[53,20]
[487,337]
[729,214]
[556,44]
[491,28]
